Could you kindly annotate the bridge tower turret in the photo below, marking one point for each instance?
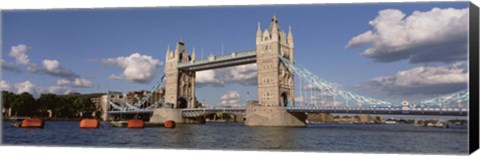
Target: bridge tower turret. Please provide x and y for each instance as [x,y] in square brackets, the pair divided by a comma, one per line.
[275,81]
[179,85]
[259,34]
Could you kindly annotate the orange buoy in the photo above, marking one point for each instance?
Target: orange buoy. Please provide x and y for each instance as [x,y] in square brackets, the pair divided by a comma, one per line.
[169,124]
[135,123]
[33,123]
[89,123]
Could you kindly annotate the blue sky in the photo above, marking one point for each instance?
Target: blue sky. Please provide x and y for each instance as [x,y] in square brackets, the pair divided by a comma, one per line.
[82,40]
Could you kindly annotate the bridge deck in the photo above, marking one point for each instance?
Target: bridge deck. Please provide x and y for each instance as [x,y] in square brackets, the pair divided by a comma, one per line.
[384,111]
[227,60]
[334,110]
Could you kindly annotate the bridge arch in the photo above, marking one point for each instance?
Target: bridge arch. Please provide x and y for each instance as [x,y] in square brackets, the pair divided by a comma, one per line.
[284,99]
[182,102]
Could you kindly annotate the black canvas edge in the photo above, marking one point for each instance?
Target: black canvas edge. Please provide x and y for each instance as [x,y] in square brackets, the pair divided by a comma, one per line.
[474,78]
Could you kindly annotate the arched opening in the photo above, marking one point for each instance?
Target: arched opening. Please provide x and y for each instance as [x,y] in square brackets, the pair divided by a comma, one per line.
[284,100]
[182,102]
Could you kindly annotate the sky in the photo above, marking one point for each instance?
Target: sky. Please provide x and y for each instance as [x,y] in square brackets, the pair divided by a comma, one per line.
[381,50]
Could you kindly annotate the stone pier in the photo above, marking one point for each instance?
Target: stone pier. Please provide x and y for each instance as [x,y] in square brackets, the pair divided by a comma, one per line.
[161,115]
[273,116]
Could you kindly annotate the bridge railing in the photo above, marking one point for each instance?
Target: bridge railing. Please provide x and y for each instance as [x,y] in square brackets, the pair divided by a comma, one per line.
[377,108]
[194,112]
[382,110]
[214,109]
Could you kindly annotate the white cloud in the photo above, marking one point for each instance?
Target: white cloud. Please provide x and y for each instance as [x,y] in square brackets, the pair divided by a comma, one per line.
[136,67]
[53,68]
[230,95]
[10,67]
[310,87]
[438,35]
[62,82]
[36,90]
[299,99]
[28,87]
[4,85]
[59,90]
[115,77]
[19,52]
[207,77]
[424,80]
[244,75]
[82,83]
[231,98]
[77,83]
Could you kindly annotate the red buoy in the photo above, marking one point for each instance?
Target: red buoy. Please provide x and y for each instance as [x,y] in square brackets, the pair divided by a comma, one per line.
[135,123]
[33,123]
[169,124]
[89,123]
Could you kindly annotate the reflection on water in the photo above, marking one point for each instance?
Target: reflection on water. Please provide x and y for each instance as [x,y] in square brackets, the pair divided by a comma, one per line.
[316,137]
[273,137]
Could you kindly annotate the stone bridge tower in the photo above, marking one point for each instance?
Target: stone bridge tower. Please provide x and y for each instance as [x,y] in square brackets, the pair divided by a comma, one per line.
[275,81]
[179,84]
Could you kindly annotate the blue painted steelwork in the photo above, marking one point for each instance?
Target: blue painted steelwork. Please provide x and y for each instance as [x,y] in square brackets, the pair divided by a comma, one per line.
[335,90]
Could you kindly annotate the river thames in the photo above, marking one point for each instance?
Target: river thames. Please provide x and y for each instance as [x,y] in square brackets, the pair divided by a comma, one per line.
[235,136]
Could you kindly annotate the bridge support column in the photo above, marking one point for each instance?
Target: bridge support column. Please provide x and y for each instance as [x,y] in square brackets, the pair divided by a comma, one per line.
[273,116]
[161,115]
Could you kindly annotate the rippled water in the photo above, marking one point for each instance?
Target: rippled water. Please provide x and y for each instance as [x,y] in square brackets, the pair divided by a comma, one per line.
[236,136]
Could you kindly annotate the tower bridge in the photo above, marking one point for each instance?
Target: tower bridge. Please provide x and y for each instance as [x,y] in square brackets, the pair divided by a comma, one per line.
[275,79]
[276,69]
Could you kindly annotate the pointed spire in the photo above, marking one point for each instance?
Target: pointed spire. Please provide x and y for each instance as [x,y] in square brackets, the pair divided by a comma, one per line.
[168,52]
[274,24]
[259,34]
[193,54]
[259,31]
[178,47]
[290,36]
[290,43]
[211,57]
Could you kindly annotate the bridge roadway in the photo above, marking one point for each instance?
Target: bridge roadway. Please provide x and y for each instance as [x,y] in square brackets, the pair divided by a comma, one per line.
[227,60]
[195,112]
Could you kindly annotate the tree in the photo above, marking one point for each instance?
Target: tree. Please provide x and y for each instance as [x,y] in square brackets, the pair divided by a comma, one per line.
[63,107]
[83,105]
[7,99]
[24,104]
[46,101]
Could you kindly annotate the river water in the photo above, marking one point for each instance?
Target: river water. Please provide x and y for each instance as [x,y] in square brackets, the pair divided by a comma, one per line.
[236,136]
